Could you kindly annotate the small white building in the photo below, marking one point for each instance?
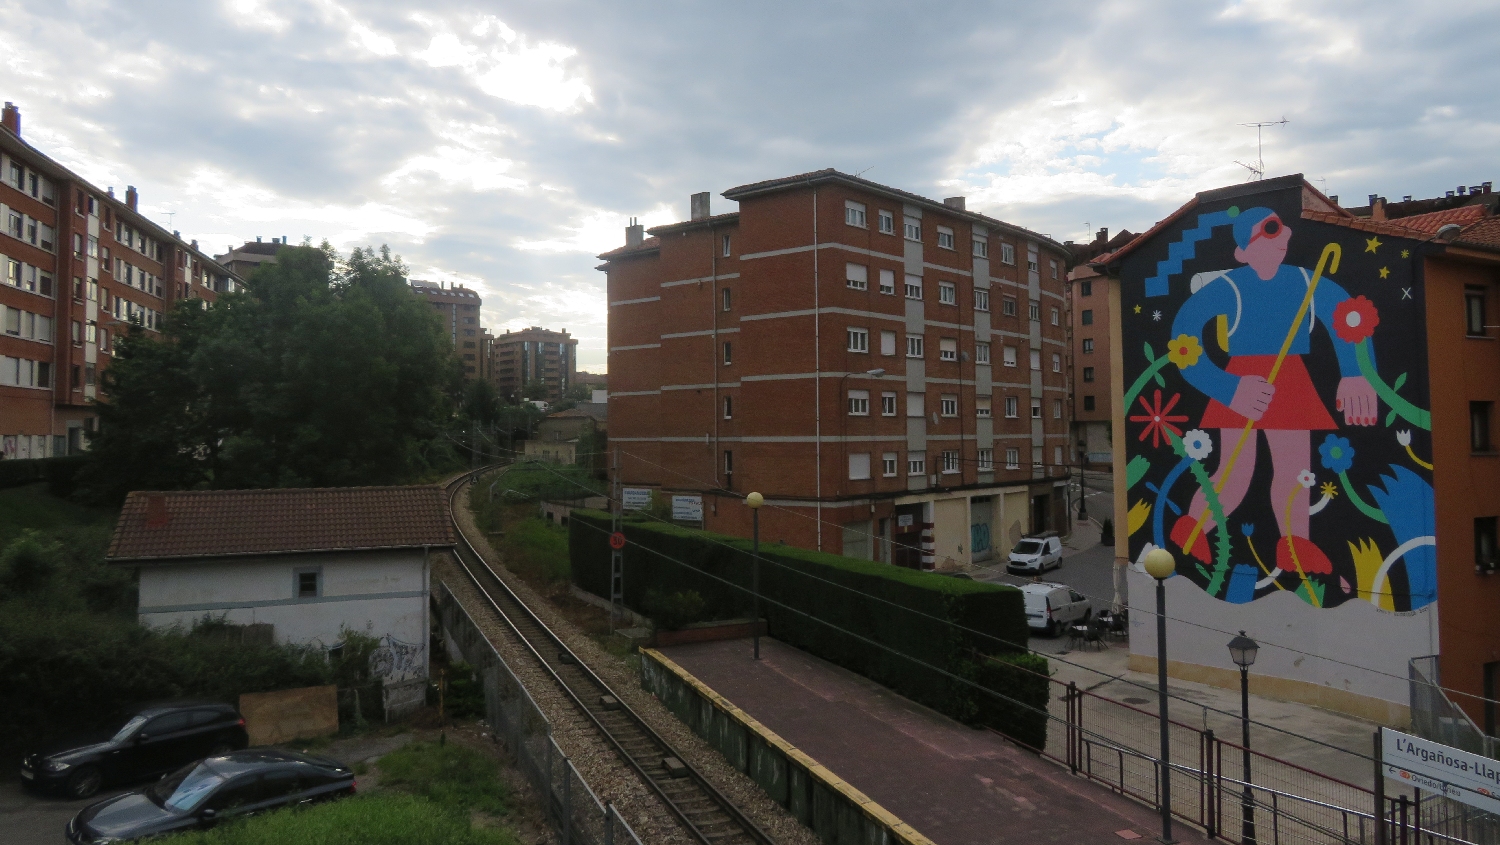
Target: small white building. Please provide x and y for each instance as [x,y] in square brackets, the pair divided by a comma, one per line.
[312,563]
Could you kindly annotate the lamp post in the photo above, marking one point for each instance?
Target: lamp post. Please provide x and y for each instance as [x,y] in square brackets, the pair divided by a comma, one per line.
[755,500]
[1160,565]
[1242,650]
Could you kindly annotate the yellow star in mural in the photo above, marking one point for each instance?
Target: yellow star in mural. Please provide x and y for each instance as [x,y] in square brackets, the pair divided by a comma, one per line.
[1385,272]
[1372,244]
[1138,309]
[1406,253]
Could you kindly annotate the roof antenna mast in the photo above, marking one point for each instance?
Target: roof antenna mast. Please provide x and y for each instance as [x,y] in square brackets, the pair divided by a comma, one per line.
[1258,168]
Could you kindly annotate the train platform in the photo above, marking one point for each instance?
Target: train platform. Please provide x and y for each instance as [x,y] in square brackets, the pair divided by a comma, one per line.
[954,784]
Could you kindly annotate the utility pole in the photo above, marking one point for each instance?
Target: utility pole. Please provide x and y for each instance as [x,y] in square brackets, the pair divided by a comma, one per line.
[616,556]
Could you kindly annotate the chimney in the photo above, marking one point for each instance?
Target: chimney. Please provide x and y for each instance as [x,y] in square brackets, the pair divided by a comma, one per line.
[11,119]
[1474,190]
[1103,236]
[1371,203]
[1488,186]
[110,191]
[635,233]
[1377,208]
[131,197]
[698,206]
[1450,193]
[195,243]
[156,511]
[257,238]
[954,203]
[1333,198]
[1406,198]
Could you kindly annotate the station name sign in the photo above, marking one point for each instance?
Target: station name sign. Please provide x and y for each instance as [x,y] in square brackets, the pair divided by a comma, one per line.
[1461,775]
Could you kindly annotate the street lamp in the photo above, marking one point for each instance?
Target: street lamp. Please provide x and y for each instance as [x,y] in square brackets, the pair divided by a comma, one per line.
[755,500]
[1160,565]
[1242,651]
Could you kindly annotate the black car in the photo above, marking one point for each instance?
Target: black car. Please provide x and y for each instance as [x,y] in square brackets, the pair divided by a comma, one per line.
[201,794]
[147,741]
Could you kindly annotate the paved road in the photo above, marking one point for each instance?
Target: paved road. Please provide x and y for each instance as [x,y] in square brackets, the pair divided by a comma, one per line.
[29,819]
[1087,571]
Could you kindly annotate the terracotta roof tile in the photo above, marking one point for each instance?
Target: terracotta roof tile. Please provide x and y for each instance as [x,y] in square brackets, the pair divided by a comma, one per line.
[1434,220]
[219,523]
[1364,224]
[1485,233]
[647,245]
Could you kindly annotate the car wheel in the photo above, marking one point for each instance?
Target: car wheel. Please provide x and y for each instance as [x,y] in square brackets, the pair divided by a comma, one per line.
[85,781]
[1051,629]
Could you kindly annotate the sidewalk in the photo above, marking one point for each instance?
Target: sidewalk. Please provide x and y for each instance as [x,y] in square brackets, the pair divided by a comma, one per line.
[954,784]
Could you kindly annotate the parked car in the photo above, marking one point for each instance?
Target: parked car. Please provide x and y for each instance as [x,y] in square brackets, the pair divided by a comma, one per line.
[202,794]
[1052,607]
[1036,554]
[146,742]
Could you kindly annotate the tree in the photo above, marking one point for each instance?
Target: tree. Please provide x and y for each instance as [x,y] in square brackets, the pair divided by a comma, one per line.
[534,389]
[323,373]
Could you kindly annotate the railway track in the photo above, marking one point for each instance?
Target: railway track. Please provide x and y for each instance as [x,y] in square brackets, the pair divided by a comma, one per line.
[703,810]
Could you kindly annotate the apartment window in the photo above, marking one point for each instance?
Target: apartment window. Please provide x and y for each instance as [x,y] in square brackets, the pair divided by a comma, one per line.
[914,404]
[1056,362]
[1034,311]
[727,299]
[1088,373]
[728,462]
[913,229]
[1087,318]
[1036,409]
[1007,254]
[1036,456]
[1474,311]
[1012,407]
[17,176]
[857,276]
[914,348]
[981,248]
[1479,427]
[728,353]
[916,463]
[309,583]
[1088,345]
[854,213]
[1008,307]
[1010,356]
[1053,266]
[888,282]
[887,343]
[1056,317]
[913,287]
[1031,265]
[981,300]
[1086,289]
[1057,456]
[12,320]
[948,405]
[91,332]
[726,246]
[1088,403]
[947,349]
[982,406]
[77,382]
[1057,409]
[1012,458]
[728,407]
[859,466]
[888,464]
[88,375]
[93,247]
[859,403]
[77,333]
[950,461]
[945,237]
[887,404]
[1485,544]
[986,460]
[981,353]
[887,223]
[1036,359]
[859,340]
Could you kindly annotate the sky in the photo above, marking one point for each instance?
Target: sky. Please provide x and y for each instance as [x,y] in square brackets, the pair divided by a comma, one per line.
[503,145]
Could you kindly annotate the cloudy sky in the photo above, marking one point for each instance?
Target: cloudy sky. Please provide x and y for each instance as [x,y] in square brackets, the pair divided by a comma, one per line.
[504,144]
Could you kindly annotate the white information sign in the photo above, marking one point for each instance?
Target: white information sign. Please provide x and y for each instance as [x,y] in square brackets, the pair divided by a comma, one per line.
[636,498]
[1461,775]
[687,508]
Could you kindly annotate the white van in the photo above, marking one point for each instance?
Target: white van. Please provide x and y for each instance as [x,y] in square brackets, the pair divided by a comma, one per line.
[1050,608]
[1035,554]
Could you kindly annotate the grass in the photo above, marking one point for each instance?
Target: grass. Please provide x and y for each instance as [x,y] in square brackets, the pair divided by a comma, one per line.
[447,774]
[532,480]
[30,507]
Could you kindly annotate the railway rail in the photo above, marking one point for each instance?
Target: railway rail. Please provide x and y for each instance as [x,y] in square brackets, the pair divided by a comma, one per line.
[704,811]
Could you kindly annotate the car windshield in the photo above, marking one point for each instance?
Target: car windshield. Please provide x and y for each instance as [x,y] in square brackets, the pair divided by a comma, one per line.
[185,789]
[1029,547]
[128,728]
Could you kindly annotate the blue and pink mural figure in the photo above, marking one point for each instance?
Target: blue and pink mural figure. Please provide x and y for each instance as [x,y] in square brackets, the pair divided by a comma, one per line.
[1272,453]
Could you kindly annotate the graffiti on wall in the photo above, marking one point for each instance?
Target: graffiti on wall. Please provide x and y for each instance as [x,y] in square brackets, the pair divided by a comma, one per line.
[394,660]
[1278,437]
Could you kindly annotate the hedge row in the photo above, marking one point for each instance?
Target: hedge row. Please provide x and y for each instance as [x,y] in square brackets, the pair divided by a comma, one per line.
[59,473]
[908,630]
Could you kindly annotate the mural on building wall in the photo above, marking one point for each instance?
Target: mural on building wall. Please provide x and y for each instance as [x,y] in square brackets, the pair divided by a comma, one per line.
[1277,432]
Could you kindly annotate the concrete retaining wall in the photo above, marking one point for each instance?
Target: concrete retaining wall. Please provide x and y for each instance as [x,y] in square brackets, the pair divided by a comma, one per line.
[834,810]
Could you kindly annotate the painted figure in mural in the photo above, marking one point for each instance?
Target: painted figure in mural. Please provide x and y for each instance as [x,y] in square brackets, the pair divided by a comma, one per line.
[1262,313]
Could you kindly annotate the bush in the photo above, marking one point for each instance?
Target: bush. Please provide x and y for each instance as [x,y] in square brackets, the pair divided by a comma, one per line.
[27,564]
[59,473]
[673,611]
[384,818]
[1018,708]
[464,697]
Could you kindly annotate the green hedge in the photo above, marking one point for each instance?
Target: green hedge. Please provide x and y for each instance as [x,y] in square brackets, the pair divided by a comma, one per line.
[59,473]
[892,625]
[1018,706]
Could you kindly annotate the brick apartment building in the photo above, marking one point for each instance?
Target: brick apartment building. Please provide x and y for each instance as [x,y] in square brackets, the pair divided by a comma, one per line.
[888,370]
[1093,299]
[79,267]
[459,308]
[244,260]
[534,355]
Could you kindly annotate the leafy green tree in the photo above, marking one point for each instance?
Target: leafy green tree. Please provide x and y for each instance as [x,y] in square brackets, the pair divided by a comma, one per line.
[481,402]
[325,372]
[534,389]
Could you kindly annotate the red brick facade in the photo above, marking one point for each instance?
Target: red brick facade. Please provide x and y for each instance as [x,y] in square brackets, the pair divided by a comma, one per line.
[741,348]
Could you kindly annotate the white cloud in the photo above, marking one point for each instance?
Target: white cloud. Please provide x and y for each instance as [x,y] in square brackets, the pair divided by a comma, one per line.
[504,65]
[596,231]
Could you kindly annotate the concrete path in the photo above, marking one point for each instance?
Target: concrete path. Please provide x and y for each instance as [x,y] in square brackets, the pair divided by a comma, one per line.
[954,784]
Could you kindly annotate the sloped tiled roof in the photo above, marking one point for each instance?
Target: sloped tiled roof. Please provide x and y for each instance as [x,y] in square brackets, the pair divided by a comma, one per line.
[228,523]
[1435,220]
[1485,233]
[1394,228]
[647,245]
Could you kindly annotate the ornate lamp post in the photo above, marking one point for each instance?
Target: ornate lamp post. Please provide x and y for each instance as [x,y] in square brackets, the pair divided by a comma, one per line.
[755,500]
[1160,565]
[1242,651]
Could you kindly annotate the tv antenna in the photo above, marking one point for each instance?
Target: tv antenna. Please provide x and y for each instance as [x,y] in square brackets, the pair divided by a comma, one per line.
[1258,168]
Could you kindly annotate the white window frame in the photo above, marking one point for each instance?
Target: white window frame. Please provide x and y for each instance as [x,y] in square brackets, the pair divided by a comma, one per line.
[887,222]
[981,299]
[727,299]
[986,460]
[950,461]
[1008,254]
[888,282]
[948,405]
[888,404]
[1056,316]
[1036,360]
[1034,311]
[1010,356]
[727,244]
[889,463]
[1012,408]
[1008,306]
[1088,346]
[859,403]
[916,463]
[859,466]
[911,229]
[1053,264]
[944,237]
[981,248]
[856,276]
[947,293]
[913,287]
[947,349]
[854,214]
[728,354]
[728,407]
[1056,362]
[982,352]
[887,343]
[1036,408]
[1012,458]
[859,340]
[982,406]
[1057,409]
[915,346]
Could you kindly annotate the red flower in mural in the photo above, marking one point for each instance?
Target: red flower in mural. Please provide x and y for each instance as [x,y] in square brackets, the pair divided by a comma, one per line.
[1157,418]
[1355,319]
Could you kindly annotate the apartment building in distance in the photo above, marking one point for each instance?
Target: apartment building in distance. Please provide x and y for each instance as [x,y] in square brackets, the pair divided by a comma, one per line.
[1093,299]
[459,308]
[244,260]
[886,369]
[78,267]
[532,355]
